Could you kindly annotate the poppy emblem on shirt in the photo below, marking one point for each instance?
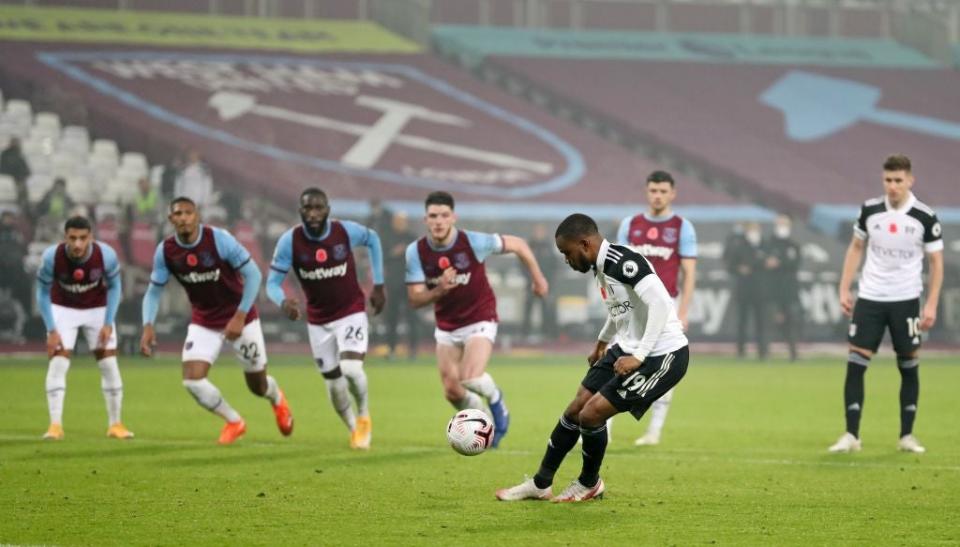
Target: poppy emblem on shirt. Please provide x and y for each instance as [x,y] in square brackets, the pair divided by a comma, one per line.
[603,293]
[78,274]
[444,263]
[192,260]
[321,255]
[893,228]
[653,232]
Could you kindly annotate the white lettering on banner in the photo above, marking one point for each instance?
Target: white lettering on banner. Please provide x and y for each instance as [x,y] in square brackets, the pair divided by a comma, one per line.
[77,289]
[489,177]
[197,277]
[821,304]
[648,250]
[708,308]
[459,279]
[263,77]
[323,273]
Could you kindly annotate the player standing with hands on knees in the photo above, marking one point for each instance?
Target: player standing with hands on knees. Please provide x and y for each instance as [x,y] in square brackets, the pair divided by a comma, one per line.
[897,231]
[320,253]
[78,289]
[446,268]
[222,282]
[647,360]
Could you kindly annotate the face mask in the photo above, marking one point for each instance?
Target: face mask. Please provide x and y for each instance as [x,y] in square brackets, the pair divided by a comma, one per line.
[783,232]
[753,237]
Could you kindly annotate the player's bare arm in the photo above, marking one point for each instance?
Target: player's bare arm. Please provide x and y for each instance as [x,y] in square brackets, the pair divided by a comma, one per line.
[291,308]
[851,263]
[104,337]
[689,268]
[929,315]
[148,340]
[53,343]
[519,247]
[597,353]
[234,328]
[419,295]
[378,298]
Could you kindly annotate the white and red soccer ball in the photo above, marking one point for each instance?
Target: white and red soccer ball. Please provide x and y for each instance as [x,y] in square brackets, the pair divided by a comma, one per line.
[470,431]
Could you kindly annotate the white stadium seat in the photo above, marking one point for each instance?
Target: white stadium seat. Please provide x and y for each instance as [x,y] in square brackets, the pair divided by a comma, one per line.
[47,120]
[17,108]
[105,148]
[80,190]
[37,186]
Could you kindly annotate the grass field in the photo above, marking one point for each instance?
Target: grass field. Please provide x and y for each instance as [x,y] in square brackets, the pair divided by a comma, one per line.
[742,461]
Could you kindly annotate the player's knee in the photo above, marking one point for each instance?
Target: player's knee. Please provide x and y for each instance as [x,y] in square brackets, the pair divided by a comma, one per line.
[256,383]
[453,392]
[859,357]
[589,417]
[907,362]
[332,374]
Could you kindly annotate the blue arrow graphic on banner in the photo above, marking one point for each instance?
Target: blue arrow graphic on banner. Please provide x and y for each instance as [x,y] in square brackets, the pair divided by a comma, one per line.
[816,106]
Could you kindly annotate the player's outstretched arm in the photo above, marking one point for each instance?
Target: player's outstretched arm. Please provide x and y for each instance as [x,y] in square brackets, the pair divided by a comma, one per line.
[368,237]
[519,247]
[279,266]
[851,263]
[151,301]
[933,290]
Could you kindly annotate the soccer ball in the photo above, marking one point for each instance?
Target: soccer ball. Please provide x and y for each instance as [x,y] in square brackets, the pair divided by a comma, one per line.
[470,431]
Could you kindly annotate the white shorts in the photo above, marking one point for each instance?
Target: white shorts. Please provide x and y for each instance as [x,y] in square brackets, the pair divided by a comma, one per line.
[328,341]
[486,329]
[69,321]
[204,344]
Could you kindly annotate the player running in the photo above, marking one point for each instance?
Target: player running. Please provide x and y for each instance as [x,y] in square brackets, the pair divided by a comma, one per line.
[649,358]
[897,230]
[78,289]
[320,253]
[222,282]
[446,268]
[669,242]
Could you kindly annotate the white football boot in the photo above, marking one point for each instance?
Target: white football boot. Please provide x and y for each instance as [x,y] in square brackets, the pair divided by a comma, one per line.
[648,439]
[909,443]
[579,492]
[526,490]
[847,443]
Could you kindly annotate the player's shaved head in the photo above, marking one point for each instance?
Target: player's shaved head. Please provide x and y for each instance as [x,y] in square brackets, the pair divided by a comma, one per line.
[577,226]
[181,199]
[311,192]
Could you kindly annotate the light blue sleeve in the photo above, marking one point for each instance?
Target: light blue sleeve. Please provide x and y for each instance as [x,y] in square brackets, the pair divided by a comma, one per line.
[160,274]
[44,281]
[158,278]
[279,266]
[623,232]
[414,272]
[151,303]
[230,249]
[688,240]
[251,284]
[484,244]
[111,267]
[361,235]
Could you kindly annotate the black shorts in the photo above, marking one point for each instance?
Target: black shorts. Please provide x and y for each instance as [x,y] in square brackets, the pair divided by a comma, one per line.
[636,391]
[871,319]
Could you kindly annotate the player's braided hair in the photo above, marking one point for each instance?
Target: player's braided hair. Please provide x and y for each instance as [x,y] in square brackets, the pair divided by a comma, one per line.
[575,226]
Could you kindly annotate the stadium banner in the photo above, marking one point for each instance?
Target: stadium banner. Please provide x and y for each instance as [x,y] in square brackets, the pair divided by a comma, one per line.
[474,44]
[179,30]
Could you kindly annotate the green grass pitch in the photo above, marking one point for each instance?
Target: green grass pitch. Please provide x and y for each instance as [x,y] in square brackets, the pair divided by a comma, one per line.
[742,461]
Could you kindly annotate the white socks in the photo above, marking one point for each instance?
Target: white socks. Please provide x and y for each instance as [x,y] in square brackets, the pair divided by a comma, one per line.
[57,387]
[484,386]
[208,396]
[338,390]
[470,400]
[353,370]
[112,387]
[658,413]
[273,391]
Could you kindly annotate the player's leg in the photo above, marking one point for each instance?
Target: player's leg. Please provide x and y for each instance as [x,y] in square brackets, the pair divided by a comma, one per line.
[565,433]
[562,439]
[351,336]
[477,350]
[200,351]
[864,335]
[323,344]
[449,352]
[593,429]
[905,333]
[252,352]
[111,384]
[68,326]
